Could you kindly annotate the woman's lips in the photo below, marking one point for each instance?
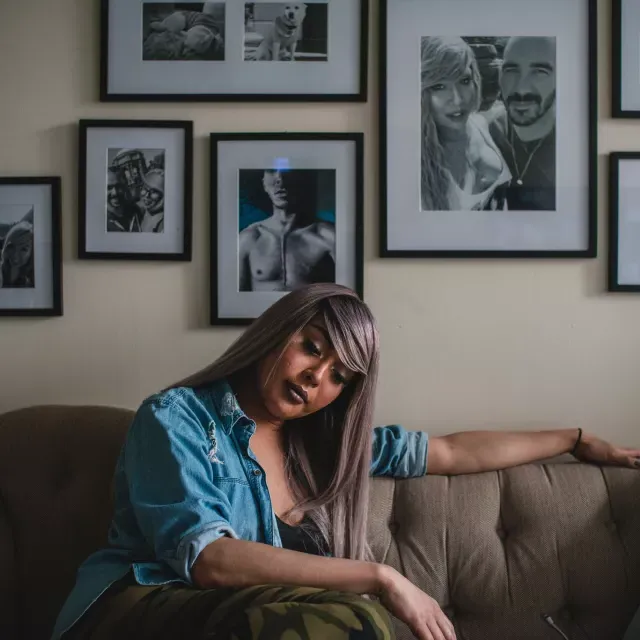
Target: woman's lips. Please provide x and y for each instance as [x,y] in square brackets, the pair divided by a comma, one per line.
[297,394]
[456,116]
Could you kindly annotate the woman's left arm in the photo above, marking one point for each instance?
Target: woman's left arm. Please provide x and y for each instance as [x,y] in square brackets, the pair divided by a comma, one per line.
[476,451]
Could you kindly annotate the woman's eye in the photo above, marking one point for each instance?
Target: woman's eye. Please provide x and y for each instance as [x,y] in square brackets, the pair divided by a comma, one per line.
[436,87]
[312,348]
[338,378]
[465,81]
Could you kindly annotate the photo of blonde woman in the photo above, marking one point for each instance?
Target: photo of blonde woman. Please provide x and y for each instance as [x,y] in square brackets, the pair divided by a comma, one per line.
[462,168]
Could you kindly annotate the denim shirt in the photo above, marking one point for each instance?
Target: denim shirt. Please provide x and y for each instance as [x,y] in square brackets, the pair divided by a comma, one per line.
[185,477]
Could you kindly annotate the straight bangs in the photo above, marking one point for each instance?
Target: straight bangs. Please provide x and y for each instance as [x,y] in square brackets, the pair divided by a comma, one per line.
[352,333]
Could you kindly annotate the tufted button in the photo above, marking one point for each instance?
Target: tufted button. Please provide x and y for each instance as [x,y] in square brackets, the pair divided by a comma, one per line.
[256,472]
[613,526]
[393,527]
[502,534]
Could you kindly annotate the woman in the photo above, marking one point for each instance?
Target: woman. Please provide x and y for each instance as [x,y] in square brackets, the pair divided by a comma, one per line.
[241,492]
[462,168]
[152,202]
[16,257]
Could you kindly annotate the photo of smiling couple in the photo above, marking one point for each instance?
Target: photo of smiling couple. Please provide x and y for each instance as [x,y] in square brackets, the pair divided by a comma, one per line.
[488,130]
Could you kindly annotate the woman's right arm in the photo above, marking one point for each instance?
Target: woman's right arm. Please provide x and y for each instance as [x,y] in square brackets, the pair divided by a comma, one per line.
[229,562]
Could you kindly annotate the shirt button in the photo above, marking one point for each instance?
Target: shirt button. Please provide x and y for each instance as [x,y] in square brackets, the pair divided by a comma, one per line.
[256,472]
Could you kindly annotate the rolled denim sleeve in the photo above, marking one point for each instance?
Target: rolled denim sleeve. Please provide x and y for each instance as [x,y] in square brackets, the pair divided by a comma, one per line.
[177,506]
[398,452]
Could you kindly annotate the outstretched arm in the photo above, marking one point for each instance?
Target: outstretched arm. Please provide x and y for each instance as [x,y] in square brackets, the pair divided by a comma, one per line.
[477,451]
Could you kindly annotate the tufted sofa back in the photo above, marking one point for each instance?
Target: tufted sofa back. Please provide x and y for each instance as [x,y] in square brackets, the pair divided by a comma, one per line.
[494,549]
[498,549]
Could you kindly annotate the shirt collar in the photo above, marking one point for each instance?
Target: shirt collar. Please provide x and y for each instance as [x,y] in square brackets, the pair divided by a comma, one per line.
[227,405]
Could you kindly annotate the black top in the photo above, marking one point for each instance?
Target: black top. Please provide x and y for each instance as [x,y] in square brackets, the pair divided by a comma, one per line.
[297,539]
[533,165]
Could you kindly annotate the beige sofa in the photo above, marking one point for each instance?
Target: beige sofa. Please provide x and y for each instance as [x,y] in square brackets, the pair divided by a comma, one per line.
[495,549]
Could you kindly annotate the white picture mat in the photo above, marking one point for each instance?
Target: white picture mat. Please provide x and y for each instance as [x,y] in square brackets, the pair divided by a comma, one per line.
[313,154]
[630,55]
[41,198]
[629,222]
[128,73]
[99,141]
[410,228]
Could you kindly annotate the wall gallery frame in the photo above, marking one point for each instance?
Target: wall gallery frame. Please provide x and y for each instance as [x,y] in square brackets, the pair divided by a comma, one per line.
[236,51]
[488,140]
[135,189]
[286,210]
[624,222]
[30,247]
[625,59]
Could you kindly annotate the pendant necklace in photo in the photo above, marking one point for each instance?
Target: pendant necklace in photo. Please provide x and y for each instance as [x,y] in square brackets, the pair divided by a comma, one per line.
[520,175]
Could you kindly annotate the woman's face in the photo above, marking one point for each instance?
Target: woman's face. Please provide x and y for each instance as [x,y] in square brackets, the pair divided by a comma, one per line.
[453,101]
[150,198]
[308,377]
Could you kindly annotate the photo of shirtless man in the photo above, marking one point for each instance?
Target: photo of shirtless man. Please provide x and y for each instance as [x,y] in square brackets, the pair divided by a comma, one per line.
[292,246]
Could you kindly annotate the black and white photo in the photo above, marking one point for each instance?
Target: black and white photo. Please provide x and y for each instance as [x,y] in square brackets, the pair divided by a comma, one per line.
[16,247]
[287,231]
[624,222]
[286,211]
[286,31]
[135,189]
[30,247]
[183,31]
[488,116]
[488,129]
[625,59]
[225,50]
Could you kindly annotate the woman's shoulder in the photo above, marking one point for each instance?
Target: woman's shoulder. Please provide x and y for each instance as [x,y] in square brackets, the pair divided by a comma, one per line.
[197,404]
[175,396]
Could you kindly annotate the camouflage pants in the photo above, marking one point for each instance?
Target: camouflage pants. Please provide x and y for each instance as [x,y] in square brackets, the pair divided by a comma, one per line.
[264,612]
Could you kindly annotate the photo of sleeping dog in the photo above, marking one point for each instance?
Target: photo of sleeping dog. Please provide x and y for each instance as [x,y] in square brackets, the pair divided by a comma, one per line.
[183,31]
[286,31]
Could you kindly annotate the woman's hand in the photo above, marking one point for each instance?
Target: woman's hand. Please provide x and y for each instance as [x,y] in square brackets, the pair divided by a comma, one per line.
[414,607]
[592,449]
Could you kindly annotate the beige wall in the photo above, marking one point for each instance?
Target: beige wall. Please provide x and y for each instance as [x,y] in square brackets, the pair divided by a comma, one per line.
[511,344]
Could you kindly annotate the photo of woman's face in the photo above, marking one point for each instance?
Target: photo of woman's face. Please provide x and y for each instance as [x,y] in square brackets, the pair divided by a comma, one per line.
[453,101]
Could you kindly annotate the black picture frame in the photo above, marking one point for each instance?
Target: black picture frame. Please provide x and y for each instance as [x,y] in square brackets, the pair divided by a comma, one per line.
[217,318]
[184,254]
[617,228]
[55,309]
[618,110]
[591,96]
[360,95]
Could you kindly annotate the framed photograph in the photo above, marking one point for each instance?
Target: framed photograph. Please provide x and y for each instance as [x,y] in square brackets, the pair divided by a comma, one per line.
[488,129]
[135,189]
[624,222]
[625,59]
[286,211]
[234,51]
[30,247]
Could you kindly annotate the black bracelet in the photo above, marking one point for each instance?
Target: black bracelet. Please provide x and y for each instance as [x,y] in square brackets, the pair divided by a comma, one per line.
[577,444]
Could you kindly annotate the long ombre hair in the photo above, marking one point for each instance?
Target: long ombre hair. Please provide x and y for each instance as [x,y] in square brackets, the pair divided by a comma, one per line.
[327,453]
[442,58]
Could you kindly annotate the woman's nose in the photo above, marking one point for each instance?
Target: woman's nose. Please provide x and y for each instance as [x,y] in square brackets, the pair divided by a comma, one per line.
[455,96]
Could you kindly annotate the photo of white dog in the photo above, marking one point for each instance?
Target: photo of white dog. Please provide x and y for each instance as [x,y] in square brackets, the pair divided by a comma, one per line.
[291,31]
